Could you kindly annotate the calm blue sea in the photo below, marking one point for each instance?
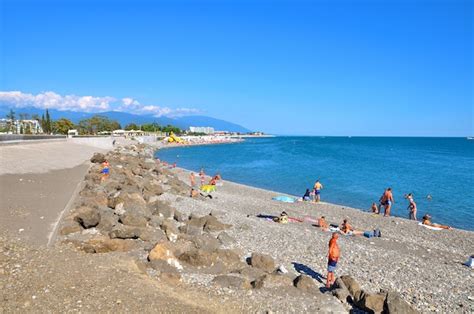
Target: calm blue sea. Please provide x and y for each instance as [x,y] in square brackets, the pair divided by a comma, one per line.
[354,171]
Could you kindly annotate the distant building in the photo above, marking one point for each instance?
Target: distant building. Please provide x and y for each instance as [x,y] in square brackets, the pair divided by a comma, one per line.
[201,129]
[21,126]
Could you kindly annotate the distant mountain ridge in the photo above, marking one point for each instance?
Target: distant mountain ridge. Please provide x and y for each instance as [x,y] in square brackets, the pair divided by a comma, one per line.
[125,118]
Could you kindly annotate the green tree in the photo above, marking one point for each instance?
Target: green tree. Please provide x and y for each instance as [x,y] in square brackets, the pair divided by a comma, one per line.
[169,128]
[62,125]
[48,122]
[151,127]
[97,124]
[35,117]
[11,123]
[131,126]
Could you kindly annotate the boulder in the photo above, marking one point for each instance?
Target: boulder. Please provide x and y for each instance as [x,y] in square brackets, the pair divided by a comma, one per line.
[205,242]
[394,304]
[87,217]
[213,225]
[179,216]
[107,221]
[351,284]
[153,236]
[71,227]
[104,245]
[198,258]
[170,230]
[263,262]
[231,259]
[119,210]
[304,283]
[340,291]
[225,239]
[251,273]
[133,219]
[125,232]
[372,303]
[163,209]
[232,282]
[98,158]
[162,251]
[272,281]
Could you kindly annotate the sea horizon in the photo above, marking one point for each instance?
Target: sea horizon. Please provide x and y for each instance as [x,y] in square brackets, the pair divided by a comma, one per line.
[425,170]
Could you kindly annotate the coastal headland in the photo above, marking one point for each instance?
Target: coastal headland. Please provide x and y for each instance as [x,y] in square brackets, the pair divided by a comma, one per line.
[136,241]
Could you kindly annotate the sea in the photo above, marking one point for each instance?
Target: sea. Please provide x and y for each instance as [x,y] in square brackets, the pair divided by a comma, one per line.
[354,171]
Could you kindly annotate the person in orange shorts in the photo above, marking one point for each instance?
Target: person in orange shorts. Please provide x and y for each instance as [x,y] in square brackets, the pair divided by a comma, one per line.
[322,223]
[333,258]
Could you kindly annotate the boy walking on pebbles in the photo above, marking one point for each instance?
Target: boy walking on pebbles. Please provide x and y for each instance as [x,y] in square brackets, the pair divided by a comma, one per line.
[333,257]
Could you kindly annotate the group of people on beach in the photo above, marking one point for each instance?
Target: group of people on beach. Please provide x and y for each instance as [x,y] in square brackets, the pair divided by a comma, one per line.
[313,195]
[207,188]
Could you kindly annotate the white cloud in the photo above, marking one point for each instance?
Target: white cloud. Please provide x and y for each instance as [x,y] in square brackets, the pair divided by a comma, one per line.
[53,100]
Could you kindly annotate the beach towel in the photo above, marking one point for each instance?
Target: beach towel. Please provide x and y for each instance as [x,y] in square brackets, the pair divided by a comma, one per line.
[430,227]
[208,188]
[285,199]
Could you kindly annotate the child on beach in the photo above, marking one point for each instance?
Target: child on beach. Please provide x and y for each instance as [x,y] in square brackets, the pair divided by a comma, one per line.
[333,258]
[374,209]
[105,170]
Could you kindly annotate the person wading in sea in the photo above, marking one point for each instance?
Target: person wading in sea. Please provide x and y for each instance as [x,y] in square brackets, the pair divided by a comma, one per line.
[386,201]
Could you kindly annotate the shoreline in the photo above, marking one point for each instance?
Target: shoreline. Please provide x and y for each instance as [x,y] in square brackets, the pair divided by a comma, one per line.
[297,197]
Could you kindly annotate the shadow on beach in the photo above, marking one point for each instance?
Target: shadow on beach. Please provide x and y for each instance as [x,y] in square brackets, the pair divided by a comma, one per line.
[305,270]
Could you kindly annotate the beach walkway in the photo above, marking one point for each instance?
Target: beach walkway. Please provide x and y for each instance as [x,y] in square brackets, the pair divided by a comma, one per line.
[36,183]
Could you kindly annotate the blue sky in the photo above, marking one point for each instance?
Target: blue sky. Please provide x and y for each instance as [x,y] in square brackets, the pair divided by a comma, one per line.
[300,67]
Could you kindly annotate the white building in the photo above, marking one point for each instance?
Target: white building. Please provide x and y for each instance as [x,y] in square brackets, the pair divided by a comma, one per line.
[201,129]
[21,126]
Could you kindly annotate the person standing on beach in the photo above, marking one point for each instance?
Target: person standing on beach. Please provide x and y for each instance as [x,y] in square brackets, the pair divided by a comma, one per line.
[386,200]
[192,178]
[412,208]
[333,258]
[317,190]
[202,175]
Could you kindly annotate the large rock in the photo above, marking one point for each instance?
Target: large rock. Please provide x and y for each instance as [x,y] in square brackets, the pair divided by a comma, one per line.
[107,221]
[372,303]
[71,227]
[213,225]
[304,283]
[205,242]
[98,158]
[170,229]
[263,262]
[152,236]
[198,258]
[351,284]
[87,217]
[231,259]
[272,281]
[179,216]
[125,232]
[163,251]
[225,239]
[104,245]
[394,304]
[133,219]
[163,209]
[251,273]
[340,291]
[233,282]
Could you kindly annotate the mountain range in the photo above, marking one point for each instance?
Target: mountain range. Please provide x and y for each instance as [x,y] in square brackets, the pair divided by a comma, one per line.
[125,118]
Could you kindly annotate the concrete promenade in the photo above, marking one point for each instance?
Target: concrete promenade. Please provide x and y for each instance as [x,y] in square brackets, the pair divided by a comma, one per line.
[36,183]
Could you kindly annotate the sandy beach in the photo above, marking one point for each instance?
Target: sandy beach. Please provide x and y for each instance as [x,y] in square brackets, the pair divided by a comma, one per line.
[424,266]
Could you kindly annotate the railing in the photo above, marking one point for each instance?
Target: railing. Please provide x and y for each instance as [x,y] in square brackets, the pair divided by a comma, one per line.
[24,137]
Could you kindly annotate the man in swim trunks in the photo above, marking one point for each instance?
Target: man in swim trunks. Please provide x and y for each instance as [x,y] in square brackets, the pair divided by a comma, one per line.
[386,200]
[333,258]
[317,191]
[427,221]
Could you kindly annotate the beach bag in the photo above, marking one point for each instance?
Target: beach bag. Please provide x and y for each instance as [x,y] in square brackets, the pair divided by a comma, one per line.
[470,261]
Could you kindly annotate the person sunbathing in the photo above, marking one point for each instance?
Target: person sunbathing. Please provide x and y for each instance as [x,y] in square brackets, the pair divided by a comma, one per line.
[283,219]
[346,228]
[322,223]
[426,220]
